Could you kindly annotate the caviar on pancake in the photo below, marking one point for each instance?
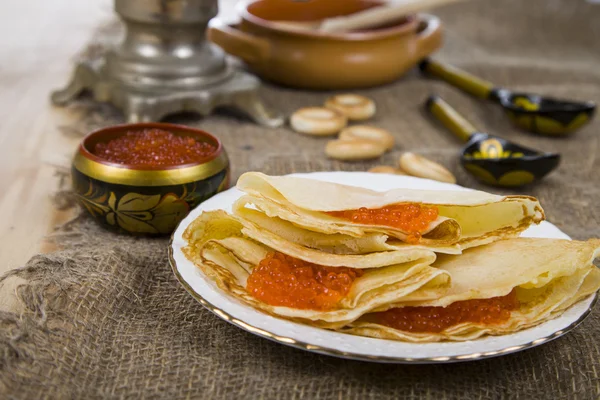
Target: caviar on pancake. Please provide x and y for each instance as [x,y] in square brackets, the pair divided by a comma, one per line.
[411,218]
[490,311]
[282,280]
[153,147]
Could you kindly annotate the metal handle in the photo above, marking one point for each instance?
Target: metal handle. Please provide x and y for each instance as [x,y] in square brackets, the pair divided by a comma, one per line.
[450,118]
[458,78]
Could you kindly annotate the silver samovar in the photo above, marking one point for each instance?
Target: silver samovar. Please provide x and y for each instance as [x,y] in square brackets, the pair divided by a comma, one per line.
[165,65]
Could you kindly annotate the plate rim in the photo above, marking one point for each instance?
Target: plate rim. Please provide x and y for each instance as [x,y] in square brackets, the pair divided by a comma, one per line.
[291,342]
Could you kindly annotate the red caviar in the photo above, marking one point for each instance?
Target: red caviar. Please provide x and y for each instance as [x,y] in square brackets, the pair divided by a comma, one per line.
[153,147]
[282,280]
[436,319]
[410,218]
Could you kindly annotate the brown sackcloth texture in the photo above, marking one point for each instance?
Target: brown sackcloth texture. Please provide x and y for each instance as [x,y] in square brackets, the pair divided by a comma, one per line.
[105,317]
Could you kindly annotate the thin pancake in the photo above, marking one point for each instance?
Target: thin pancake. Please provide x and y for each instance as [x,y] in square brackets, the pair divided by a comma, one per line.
[335,243]
[548,275]
[469,218]
[228,248]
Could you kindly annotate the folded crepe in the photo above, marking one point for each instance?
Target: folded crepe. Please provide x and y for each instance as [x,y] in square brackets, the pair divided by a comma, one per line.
[496,289]
[440,220]
[335,243]
[245,261]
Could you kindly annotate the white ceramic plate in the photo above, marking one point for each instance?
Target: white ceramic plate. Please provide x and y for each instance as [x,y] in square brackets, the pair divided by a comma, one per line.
[356,347]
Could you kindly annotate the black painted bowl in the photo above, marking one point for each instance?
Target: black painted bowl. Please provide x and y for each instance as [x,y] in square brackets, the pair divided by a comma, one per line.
[144,199]
[545,115]
[497,162]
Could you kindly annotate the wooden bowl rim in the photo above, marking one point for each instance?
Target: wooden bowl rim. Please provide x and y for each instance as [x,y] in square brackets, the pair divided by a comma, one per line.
[408,26]
[115,130]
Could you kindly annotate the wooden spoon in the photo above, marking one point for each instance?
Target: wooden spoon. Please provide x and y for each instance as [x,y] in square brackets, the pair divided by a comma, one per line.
[369,18]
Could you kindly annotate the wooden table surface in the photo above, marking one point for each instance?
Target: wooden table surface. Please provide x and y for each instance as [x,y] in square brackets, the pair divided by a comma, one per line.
[38,43]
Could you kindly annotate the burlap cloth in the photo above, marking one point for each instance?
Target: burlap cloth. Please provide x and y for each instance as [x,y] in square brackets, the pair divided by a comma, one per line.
[105,317]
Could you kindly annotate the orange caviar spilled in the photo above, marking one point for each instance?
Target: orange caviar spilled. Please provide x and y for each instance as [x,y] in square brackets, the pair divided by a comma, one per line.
[437,319]
[410,218]
[281,280]
[153,147]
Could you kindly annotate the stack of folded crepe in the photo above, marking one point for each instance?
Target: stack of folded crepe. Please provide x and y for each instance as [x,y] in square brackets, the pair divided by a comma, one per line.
[411,265]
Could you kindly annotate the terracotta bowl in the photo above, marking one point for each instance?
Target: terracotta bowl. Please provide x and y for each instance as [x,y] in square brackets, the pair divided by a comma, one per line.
[143,199]
[314,60]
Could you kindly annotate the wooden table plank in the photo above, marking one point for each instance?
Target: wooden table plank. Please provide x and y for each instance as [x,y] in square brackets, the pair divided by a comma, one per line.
[38,41]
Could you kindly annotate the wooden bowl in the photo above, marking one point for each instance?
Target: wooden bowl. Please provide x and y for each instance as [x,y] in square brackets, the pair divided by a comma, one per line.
[145,199]
[316,60]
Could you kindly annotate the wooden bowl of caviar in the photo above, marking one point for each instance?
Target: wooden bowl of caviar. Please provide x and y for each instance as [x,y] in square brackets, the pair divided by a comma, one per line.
[144,178]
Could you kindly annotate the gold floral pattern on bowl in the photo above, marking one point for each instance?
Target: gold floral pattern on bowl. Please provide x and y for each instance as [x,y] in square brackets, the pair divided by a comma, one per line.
[493,149]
